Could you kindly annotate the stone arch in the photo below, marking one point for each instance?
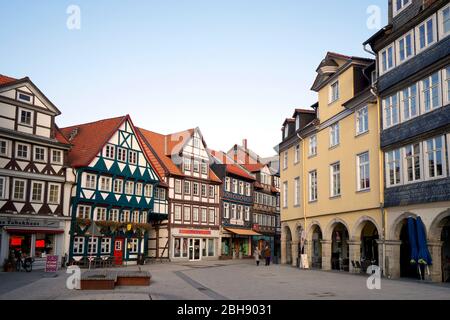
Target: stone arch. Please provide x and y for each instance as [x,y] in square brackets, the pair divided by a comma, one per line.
[286,231]
[434,234]
[297,229]
[396,226]
[311,227]
[359,226]
[327,233]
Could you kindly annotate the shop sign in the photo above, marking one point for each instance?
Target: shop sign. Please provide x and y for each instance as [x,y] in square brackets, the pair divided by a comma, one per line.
[51,264]
[27,222]
[195,232]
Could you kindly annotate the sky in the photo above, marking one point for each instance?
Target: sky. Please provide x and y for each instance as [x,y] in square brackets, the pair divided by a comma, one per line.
[234,68]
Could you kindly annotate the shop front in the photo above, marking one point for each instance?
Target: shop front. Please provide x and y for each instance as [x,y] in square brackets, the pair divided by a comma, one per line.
[237,243]
[194,244]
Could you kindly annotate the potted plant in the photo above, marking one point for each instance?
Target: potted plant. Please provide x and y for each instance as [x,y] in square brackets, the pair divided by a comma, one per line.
[83,222]
[8,266]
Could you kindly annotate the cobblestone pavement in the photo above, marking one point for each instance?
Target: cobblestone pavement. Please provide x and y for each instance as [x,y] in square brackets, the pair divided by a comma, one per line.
[223,280]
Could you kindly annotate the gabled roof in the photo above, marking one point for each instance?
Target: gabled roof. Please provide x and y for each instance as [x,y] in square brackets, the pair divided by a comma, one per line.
[254,167]
[230,166]
[297,111]
[288,120]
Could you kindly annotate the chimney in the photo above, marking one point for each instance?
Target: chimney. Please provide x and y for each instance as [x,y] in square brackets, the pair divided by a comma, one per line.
[244,144]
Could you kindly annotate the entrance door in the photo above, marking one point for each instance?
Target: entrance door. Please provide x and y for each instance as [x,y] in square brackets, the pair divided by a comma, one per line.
[194,249]
[118,251]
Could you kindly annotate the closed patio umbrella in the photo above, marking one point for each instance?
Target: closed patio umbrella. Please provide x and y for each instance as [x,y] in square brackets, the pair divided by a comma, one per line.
[412,236]
[424,256]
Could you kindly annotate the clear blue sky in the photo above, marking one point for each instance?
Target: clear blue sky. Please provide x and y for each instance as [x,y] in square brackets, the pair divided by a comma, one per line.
[235,68]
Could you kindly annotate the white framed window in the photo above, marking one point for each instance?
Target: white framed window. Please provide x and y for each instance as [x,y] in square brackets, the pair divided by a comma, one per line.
[23,151]
[446,77]
[393,168]
[335,179]
[203,190]
[177,186]
[84,212]
[435,163]
[241,187]
[405,47]
[234,184]
[19,189]
[239,212]
[362,120]
[139,189]
[4,147]
[426,34]
[110,151]
[409,102]
[226,210]
[195,214]
[413,162]
[444,22]
[114,215]
[132,157]
[211,216]
[334,135]
[90,181]
[285,160]
[387,59]
[25,117]
[286,131]
[187,164]
[105,184]
[54,193]
[134,245]
[400,5]
[105,246]
[248,189]
[211,191]
[297,122]
[313,145]
[129,187]
[100,214]
[391,111]
[297,154]
[40,154]
[177,213]
[204,211]
[57,157]
[204,168]
[285,194]
[233,211]
[334,92]
[125,216]
[24,97]
[227,184]
[430,92]
[148,190]
[121,154]
[187,187]
[195,189]
[297,191]
[196,167]
[143,217]
[3,187]
[37,191]
[135,216]
[118,186]
[78,245]
[363,171]
[92,245]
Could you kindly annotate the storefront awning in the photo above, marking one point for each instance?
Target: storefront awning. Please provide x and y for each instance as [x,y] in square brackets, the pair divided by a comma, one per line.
[33,230]
[243,232]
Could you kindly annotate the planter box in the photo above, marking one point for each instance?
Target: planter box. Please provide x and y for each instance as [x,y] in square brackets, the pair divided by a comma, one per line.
[133,279]
[92,280]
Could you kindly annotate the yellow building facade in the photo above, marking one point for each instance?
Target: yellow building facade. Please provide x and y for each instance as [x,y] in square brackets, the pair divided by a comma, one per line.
[331,172]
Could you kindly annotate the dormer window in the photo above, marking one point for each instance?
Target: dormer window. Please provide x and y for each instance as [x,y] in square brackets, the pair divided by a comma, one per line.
[400,5]
[24,97]
[286,131]
[297,123]
[334,91]
[26,117]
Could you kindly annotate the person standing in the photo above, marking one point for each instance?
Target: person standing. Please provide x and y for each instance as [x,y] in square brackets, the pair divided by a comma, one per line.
[257,254]
[267,255]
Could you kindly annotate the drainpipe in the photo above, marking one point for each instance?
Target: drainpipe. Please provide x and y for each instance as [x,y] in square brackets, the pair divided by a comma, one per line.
[303,182]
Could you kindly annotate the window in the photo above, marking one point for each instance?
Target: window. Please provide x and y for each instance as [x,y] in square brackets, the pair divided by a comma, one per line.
[235,186]
[239,212]
[412,162]
[162,193]
[241,187]
[297,191]
[19,189]
[227,184]
[399,5]
[430,92]
[121,154]
[105,184]
[84,212]
[195,189]
[144,215]
[335,172]
[105,246]
[110,151]
[40,154]
[204,168]
[362,120]
[132,157]
[114,215]
[22,151]
[92,245]
[409,102]
[285,194]
[285,160]
[100,214]
[363,174]
[187,164]
[297,154]
[196,166]
[24,97]
[233,211]
[139,189]
[393,168]
[54,193]
[247,214]
[187,187]
[387,59]
[177,186]
[447,85]
[78,245]
[4,148]
[248,189]
[435,158]
[204,190]
[195,214]
[210,247]
[204,215]
[334,91]
[125,216]
[37,191]
[286,131]
[313,145]
[444,18]
[334,135]
[129,187]
[405,48]
[2,187]
[226,210]
[57,157]
[211,191]
[90,181]
[148,190]
[177,213]
[211,216]
[135,217]
[390,109]
[118,186]
[26,117]
[426,34]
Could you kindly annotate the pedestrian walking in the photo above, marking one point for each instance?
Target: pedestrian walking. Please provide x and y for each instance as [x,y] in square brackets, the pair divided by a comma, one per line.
[257,255]
[267,254]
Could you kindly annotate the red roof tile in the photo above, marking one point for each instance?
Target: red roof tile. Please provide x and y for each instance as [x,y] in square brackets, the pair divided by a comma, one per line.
[60,136]
[231,167]
[253,167]
[6,79]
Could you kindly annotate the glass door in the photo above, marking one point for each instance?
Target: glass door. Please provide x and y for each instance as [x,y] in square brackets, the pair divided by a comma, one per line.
[194,249]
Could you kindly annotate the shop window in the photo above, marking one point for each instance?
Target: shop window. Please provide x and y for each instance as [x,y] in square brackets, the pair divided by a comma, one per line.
[78,245]
[44,245]
[210,247]
[134,245]
[177,247]
[204,248]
